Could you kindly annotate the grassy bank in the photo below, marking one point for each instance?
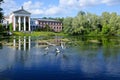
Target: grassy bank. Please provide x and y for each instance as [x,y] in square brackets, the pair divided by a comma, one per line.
[38,34]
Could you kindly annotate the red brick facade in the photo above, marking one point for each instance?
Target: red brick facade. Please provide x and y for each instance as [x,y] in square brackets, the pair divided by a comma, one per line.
[53,24]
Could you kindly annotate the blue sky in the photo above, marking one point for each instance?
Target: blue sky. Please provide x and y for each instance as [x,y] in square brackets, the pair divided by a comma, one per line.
[61,8]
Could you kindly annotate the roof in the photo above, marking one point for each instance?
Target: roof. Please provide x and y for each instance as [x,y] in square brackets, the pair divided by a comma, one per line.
[50,20]
[21,11]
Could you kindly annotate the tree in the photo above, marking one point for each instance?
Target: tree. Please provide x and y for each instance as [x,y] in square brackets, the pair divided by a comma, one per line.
[47,28]
[92,24]
[80,24]
[1,28]
[1,13]
[11,27]
[81,13]
[67,24]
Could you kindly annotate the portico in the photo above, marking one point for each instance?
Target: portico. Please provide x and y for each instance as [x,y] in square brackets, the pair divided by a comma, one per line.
[21,20]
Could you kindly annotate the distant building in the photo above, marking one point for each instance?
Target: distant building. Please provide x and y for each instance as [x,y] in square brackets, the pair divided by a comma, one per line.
[6,21]
[21,21]
[34,24]
[42,23]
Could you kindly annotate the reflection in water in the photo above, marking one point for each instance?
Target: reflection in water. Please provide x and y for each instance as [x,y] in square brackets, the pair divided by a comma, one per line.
[78,58]
[22,43]
[7,59]
[1,46]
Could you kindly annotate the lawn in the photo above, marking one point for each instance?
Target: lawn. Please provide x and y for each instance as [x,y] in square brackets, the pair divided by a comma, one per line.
[38,34]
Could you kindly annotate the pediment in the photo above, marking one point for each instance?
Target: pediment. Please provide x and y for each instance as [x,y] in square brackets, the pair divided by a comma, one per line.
[21,11]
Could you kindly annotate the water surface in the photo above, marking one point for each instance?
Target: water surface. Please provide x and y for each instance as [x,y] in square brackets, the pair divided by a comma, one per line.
[80,58]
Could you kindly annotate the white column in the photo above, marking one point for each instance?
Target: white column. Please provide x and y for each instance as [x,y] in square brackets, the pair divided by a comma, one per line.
[19,23]
[19,47]
[29,42]
[24,23]
[24,43]
[14,24]
[29,23]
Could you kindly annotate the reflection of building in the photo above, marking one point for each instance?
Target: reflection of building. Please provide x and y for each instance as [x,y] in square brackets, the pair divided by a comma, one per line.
[22,43]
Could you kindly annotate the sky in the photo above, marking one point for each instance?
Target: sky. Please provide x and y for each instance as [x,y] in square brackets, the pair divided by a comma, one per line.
[61,8]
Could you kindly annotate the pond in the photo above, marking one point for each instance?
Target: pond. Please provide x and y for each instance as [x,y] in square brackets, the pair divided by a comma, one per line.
[59,58]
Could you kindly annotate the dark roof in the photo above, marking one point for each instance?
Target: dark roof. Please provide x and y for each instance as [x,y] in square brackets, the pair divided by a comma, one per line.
[21,11]
[51,20]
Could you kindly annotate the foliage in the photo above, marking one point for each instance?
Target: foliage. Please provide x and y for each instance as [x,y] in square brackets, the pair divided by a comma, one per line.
[38,34]
[11,27]
[1,28]
[46,28]
[92,24]
[67,24]
[1,13]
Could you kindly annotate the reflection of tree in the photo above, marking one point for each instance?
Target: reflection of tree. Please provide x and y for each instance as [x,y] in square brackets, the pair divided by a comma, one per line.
[1,46]
[65,57]
[111,52]
[108,46]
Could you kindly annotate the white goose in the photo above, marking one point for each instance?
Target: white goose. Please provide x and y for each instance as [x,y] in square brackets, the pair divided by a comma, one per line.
[46,48]
[57,50]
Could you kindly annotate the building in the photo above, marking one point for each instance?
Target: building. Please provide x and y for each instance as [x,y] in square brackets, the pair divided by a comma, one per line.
[34,24]
[21,21]
[55,25]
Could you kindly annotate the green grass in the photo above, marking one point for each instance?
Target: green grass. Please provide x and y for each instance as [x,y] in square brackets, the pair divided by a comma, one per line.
[38,34]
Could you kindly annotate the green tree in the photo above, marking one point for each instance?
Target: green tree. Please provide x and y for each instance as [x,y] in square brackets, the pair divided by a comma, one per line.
[113,24]
[11,27]
[47,28]
[92,24]
[1,28]
[1,13]
[67,24]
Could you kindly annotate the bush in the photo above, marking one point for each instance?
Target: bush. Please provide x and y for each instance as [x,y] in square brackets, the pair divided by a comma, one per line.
[11,27]
[1,28]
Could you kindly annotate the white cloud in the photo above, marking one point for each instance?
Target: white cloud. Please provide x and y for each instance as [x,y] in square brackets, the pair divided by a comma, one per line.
[68,3]
[9,6]
[35,8]
[32,5]
[52,10]
[37,11]
[87,3]
[63,7]
[111,2]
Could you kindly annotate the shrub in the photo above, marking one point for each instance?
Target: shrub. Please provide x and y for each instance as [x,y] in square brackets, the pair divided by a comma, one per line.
[1,28]
[11,27]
